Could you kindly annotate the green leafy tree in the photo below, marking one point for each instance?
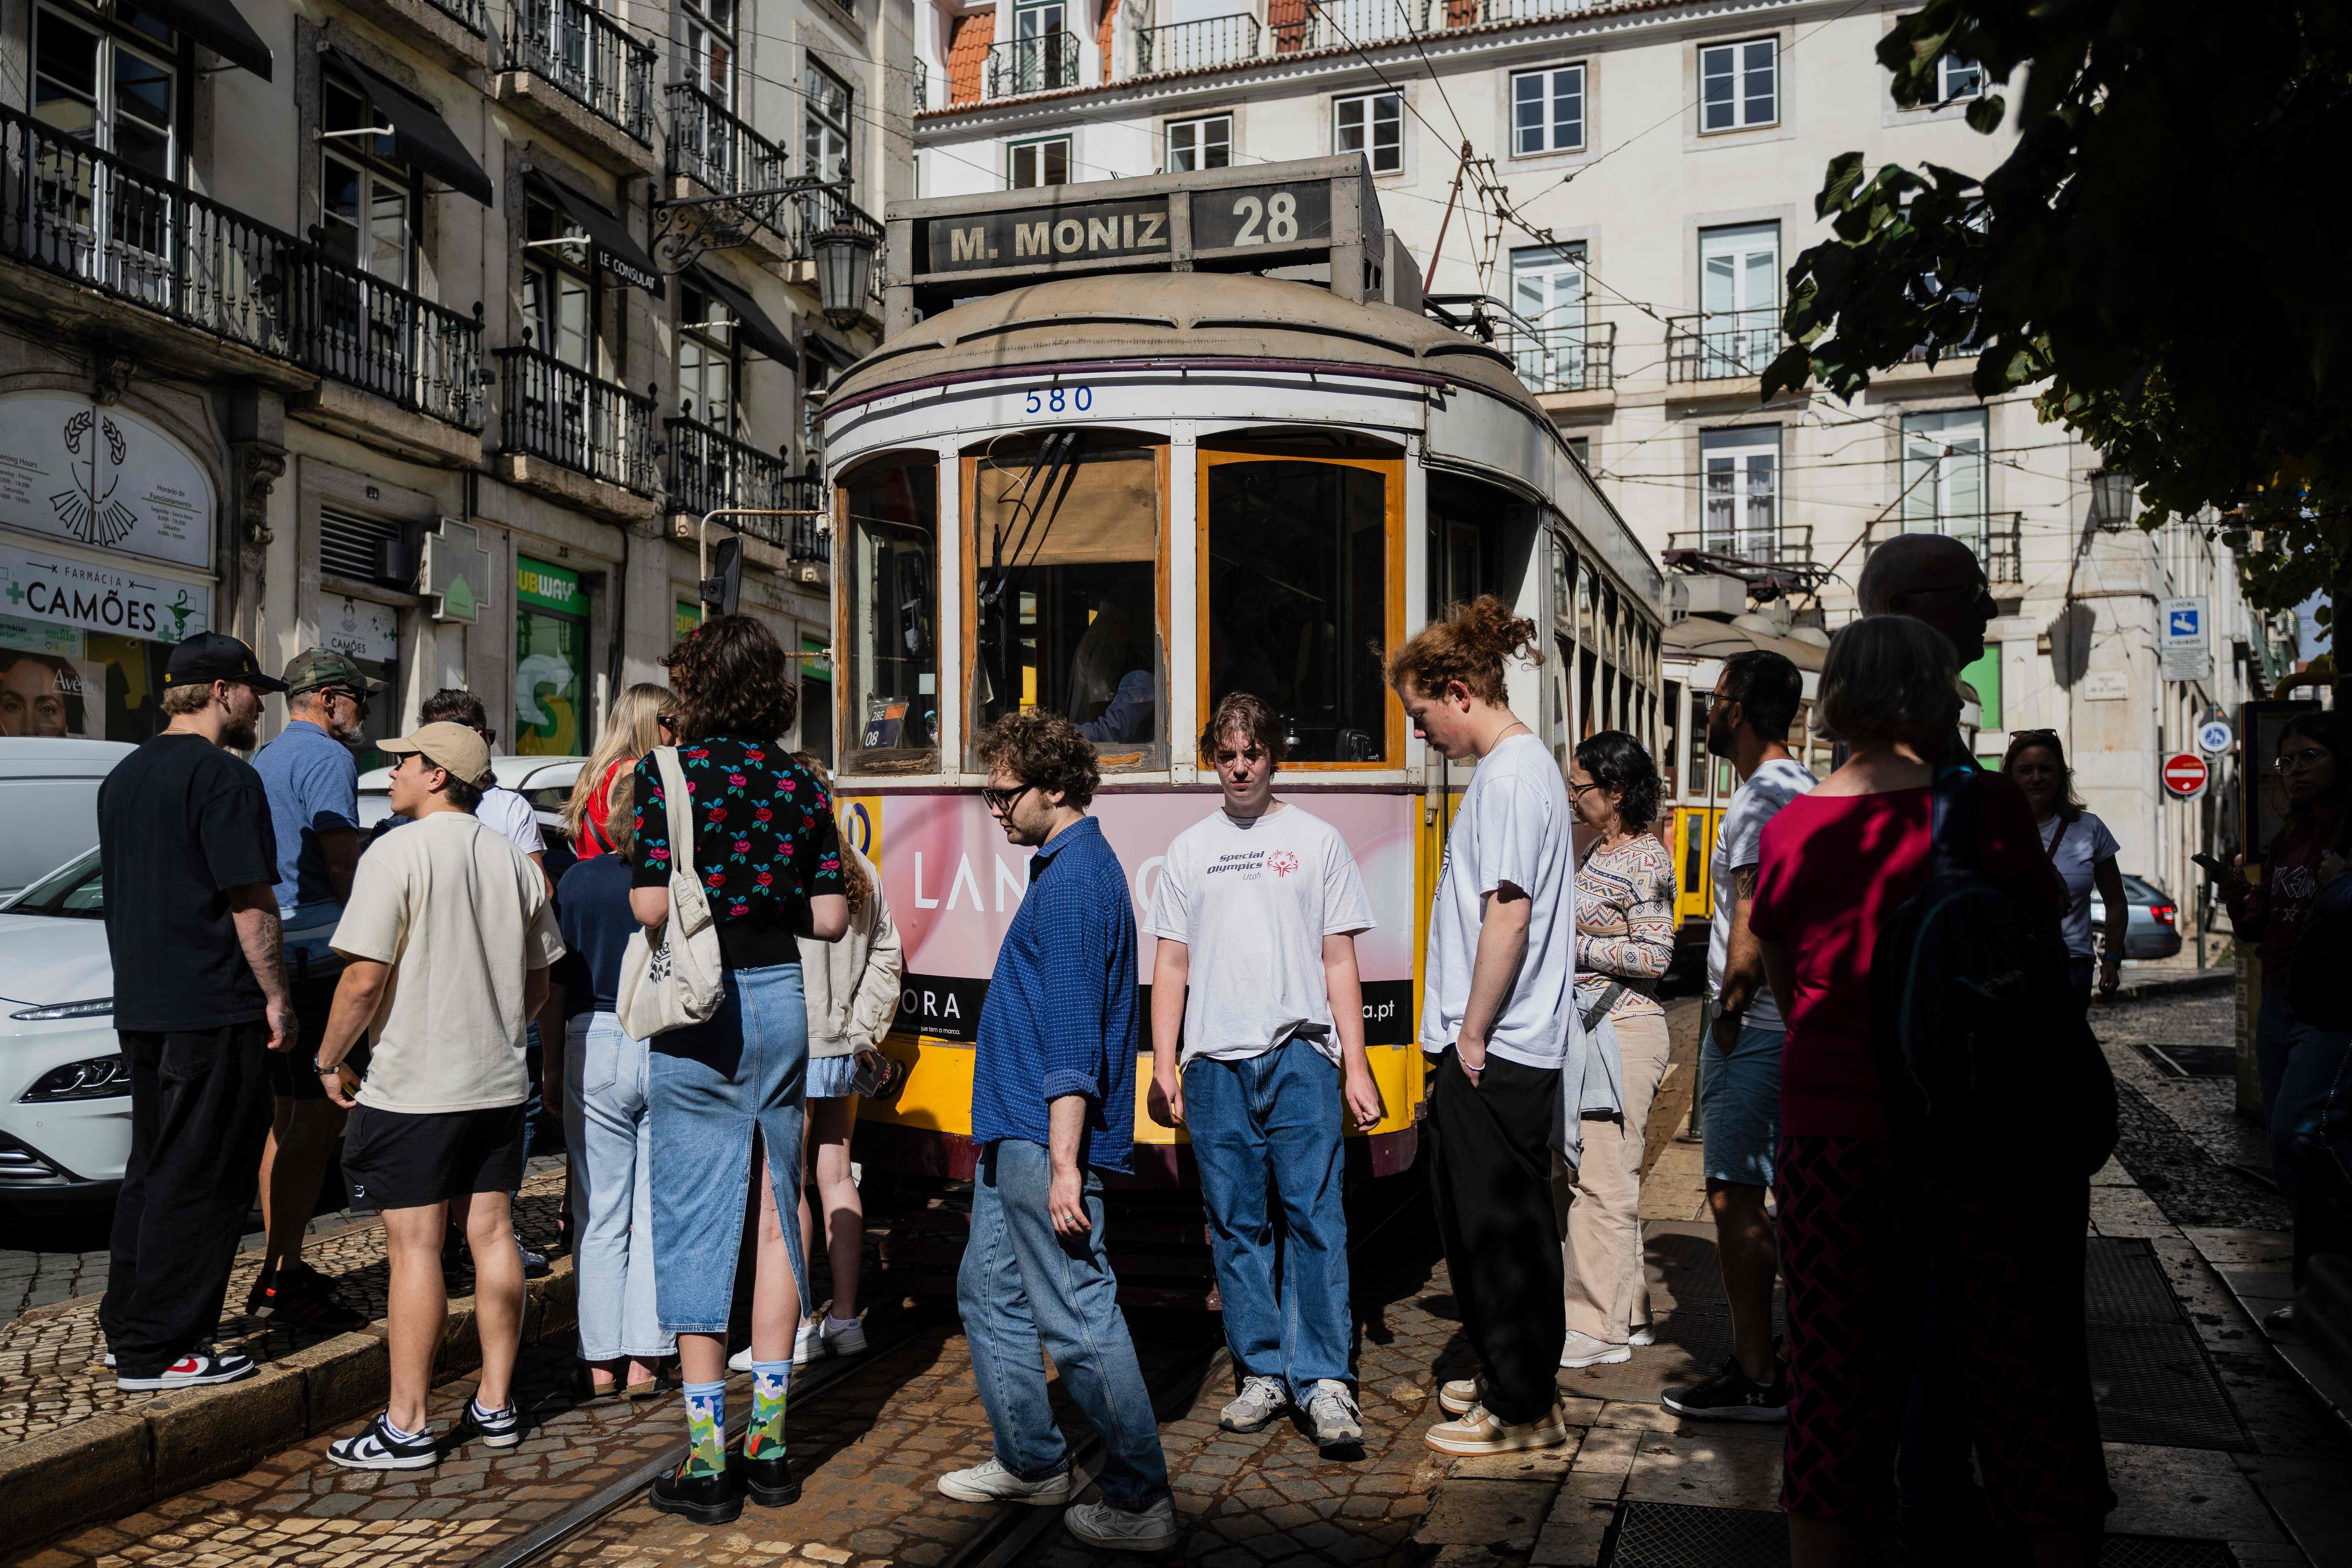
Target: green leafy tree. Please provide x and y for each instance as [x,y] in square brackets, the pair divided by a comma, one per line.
[2164,250]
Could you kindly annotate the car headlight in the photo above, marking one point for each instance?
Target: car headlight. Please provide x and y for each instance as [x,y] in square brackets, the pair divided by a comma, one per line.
[99,1078]
[96,1007]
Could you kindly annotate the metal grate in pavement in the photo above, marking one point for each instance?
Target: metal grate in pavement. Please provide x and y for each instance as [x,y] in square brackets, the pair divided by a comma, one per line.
[2124,1282]
[2152,1384]
[2191,1061]
[1675,1535]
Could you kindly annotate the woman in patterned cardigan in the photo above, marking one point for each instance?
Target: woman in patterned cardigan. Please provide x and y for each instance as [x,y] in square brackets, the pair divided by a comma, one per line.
[1625,938]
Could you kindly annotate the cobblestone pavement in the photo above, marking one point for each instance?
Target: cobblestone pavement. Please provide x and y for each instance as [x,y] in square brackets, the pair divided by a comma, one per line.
[50,1372]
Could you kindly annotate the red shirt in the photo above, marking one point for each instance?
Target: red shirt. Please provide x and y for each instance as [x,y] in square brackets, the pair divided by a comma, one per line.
[1836,870]
[595,819]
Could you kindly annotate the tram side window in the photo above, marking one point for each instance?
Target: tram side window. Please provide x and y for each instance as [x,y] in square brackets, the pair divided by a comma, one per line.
[1670,751]
[890,599]
[1065,589]
[1297,575]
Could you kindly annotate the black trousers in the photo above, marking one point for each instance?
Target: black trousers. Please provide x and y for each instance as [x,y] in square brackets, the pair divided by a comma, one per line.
[199,1113]
[1490,1173]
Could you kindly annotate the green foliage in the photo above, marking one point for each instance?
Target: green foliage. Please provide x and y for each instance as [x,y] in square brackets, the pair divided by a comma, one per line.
[2165,247]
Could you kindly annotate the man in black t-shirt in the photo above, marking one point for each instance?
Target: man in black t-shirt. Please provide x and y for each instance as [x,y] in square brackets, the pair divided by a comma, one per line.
[189,856]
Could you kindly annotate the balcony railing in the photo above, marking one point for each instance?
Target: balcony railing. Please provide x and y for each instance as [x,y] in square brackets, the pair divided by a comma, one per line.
[589,56]
[1200,44]
[1721,345]
[1340,24]
[1770,545]
[1997,537]
[1479,13]
[710,145]
[1046,63]
[551,410]
[471,14]
[922,85]
[829,207]
[1577,357]
[107,224]
[709,470]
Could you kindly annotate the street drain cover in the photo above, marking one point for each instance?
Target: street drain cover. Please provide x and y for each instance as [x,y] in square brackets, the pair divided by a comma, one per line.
[2123,1282]
[1675,1535]
[2151,1384]
[2192,1061]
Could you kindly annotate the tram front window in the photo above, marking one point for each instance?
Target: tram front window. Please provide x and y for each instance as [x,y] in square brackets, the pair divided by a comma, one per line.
[1297,600]
[890,599]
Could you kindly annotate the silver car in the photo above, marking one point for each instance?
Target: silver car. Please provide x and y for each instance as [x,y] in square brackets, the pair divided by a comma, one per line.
[2151,930]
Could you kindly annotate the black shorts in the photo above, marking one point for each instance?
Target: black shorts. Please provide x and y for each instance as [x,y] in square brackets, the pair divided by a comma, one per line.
[291,1077]
[407,1160]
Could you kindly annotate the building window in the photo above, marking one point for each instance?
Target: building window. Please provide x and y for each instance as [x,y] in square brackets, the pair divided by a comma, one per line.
[1034,163]
[1946,474]
[825,126]
[1372,124]
[368,196]
[706,360]
[111,76]
[1199,144]
[559,295]
[710,47]
[1548,338]
[1959,78]
[1547,111]
[1738,85]
[1742,494]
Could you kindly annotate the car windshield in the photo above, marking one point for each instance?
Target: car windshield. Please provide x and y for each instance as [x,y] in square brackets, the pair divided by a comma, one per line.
[73,891]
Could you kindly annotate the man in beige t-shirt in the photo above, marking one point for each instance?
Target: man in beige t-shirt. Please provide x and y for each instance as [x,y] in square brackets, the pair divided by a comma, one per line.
[447,937]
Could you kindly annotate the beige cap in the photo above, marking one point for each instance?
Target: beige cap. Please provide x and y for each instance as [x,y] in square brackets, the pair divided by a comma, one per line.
[453,748]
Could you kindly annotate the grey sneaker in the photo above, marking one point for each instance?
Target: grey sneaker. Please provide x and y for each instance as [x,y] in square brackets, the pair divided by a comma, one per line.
[1260,1401]
[989,1481]
[1152,1528]
[1331,1411]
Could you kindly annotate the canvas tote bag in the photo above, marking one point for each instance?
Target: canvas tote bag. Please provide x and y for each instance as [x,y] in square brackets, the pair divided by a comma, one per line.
[677,980]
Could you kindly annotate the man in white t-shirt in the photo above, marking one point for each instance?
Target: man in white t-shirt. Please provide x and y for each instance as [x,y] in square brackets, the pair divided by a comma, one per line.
[1493,1023]
[446,939]
[1747,717]
[1257,914]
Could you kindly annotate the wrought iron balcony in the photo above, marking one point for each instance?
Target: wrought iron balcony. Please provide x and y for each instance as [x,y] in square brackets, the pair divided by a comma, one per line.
[922,85]
[1046,63]
[553,410]
[1997,537]
[708,143]
[104,223]
[1580,357]
[1730,547]
[1722,345]
[709,468]
[472,15]
[1479,13]
[1198,45]
[1342,24]
[587,55]
[829,207]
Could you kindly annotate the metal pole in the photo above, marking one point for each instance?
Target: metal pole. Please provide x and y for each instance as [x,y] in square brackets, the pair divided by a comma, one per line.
[702,541]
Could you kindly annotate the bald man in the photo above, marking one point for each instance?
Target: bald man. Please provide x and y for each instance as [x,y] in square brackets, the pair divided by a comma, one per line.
[1933,578]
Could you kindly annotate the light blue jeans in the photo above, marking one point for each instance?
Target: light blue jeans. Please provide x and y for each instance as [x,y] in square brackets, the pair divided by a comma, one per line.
[1023,1289]
[1275,1115]
[605,1121]
[713,1084]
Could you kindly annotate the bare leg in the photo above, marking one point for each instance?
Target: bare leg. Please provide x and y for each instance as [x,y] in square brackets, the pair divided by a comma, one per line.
[776,1299]
[497,1293]
[830,1122]
[1743,1236]
[419,1304]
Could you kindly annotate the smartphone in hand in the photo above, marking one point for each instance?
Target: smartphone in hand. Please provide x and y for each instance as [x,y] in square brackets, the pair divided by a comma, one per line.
[2215,868]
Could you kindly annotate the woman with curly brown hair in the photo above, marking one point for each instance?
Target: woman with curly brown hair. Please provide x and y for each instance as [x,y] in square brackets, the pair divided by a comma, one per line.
[764,844]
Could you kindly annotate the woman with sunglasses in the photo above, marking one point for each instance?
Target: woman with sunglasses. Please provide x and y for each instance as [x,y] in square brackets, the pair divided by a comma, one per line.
[639,721]
[2083,852]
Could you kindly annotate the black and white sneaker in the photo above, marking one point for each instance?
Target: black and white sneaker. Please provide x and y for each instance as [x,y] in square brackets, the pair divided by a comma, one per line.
[497,1428]
[1732,1396]
[199,1367]
[379,1448]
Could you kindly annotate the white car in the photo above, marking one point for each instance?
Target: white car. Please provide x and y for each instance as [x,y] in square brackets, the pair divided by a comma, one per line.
[49,798]
[64,1089]
[545,782]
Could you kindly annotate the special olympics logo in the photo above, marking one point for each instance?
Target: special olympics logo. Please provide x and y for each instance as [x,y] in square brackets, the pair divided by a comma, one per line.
[1282,862]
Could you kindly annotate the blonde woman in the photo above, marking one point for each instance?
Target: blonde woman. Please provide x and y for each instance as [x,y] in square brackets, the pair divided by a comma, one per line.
[639,721]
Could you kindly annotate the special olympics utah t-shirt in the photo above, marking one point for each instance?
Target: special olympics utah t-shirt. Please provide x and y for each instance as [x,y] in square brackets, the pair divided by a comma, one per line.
[1252,902]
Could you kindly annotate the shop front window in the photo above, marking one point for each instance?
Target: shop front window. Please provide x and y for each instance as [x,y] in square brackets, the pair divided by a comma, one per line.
[1296,601]
[889,598]
[550,683]
[1065,592]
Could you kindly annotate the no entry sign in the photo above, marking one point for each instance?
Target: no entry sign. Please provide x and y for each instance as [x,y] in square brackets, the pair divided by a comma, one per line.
[2184,773]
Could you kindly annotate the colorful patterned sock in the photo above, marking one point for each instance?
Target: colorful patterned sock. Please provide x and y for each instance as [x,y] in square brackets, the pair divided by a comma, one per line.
[706,1428]
[771,1382]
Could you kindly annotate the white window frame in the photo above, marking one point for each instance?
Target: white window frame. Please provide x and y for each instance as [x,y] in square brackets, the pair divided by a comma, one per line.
[1368,128]
[372,164]
[1200,125]
[1734,62]
[1939,468]
[1952,67]
[1733,450]
[1548,131]
[1013,151]
[708,351]
[820,126]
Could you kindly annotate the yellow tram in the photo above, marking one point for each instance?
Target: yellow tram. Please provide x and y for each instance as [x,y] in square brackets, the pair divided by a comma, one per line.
[1104,462]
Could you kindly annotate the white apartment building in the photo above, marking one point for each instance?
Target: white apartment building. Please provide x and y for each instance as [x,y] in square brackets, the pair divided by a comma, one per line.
[426,329]
[1661,159]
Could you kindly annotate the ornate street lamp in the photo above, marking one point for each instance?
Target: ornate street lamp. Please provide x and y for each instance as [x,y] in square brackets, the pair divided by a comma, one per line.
[2110,499]
[845,263]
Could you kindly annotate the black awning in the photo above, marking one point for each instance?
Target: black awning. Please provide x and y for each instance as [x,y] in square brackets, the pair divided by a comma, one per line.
[219,27]
[758,330]
[833,353]
[616,253]
[422,137]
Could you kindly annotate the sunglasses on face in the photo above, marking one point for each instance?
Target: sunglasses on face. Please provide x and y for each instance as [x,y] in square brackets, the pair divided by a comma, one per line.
[999,801]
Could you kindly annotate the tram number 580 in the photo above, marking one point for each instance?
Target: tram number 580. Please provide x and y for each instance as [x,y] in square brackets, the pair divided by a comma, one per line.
[1278,213]
[1061,400]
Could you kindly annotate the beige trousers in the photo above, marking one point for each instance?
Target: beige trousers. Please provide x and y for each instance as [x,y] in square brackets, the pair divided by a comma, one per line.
[1600,1201]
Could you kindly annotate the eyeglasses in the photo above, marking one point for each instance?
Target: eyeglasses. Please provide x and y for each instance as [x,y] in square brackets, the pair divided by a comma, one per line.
[1578,789]
[2310,757]
[999,801]
[356,699]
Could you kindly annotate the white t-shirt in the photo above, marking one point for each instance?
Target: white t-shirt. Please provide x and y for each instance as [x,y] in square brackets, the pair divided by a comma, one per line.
[2084,843]
[507,814]
[1739,842]
[1252,902]
[461,916]
[1513,828]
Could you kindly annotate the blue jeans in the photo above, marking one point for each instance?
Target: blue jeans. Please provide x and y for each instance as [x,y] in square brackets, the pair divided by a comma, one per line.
[713,1085]
[1275,1115]
[1023,1289]
[2307,1079]
[611,1135]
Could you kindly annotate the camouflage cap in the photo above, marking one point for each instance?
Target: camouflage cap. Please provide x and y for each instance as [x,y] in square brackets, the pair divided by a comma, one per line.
[317,666]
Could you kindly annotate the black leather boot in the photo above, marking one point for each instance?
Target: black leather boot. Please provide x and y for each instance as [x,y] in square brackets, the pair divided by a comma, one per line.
[770,1483]
[706,1499]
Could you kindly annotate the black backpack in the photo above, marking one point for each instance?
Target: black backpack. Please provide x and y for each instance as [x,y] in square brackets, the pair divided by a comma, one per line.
[1985,1061]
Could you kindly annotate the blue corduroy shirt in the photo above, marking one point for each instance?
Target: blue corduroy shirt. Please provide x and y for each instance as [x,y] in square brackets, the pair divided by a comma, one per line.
[1060,1014]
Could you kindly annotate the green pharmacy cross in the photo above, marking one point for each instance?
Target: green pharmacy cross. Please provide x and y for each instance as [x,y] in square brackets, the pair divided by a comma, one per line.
[456,572]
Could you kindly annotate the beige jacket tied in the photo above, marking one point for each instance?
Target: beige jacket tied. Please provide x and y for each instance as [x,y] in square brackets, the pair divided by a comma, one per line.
[853,984]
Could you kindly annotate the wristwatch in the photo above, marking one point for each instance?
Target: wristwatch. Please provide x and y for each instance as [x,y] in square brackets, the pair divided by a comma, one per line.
[319,1068]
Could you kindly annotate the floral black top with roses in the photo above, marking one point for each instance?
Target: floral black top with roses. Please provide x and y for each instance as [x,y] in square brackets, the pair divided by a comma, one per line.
[764,842]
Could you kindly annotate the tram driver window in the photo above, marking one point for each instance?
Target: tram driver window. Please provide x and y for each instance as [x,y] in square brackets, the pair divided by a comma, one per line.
[890,603]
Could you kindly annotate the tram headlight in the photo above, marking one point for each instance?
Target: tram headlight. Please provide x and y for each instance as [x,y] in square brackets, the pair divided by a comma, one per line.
[845,263]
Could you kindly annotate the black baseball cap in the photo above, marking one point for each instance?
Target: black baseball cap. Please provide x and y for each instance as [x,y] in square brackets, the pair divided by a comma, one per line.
[215,656]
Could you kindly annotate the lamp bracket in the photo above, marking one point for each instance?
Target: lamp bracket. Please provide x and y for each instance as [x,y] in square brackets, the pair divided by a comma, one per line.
[690,228]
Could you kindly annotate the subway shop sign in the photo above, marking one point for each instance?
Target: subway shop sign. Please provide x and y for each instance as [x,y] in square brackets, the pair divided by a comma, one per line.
[542,586]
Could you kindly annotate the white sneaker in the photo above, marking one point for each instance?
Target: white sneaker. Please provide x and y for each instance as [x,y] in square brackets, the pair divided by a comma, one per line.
[198,1368]
[1260,1401]
[1583,1350]
[1642,1337]
[1480,1431]
[989,1481]
[1331,1411]
[844,1336]
[741,1360]
[1152,1528]
[808,1344]
[1459,1396]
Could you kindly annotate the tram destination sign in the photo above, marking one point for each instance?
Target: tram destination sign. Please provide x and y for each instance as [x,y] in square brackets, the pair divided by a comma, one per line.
[1051,231]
